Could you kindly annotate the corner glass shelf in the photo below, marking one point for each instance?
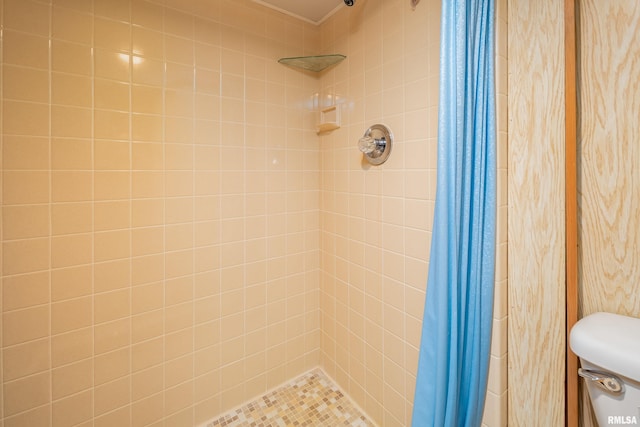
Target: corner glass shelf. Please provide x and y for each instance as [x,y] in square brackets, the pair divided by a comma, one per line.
[312,63]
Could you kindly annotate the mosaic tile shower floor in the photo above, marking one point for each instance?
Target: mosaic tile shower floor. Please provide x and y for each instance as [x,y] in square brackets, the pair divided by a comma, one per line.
[310,400]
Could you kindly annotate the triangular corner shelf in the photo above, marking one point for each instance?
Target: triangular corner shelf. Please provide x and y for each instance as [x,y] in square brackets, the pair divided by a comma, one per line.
[315,63]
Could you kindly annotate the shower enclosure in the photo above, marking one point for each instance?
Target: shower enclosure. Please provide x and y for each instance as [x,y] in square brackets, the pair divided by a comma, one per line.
[177,239]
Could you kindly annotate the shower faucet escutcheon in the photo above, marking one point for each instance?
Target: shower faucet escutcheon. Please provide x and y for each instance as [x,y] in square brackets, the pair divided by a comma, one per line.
[375,144]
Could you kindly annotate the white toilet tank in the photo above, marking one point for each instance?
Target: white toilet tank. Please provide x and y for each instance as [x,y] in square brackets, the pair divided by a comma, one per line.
[609,349]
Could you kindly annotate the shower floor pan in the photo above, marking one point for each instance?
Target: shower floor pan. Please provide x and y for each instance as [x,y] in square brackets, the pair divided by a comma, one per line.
[310,400]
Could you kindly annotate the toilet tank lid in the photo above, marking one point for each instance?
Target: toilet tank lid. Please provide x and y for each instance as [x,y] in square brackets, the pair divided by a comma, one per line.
[609,340]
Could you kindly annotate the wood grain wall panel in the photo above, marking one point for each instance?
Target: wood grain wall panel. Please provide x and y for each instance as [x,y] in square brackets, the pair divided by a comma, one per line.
[536,220]
[609,156]
[609,188]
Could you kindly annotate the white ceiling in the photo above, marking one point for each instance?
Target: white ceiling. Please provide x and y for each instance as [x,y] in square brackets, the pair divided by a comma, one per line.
[314,11]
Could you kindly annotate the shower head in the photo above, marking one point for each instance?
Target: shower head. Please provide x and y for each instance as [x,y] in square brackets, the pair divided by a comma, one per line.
[349,2]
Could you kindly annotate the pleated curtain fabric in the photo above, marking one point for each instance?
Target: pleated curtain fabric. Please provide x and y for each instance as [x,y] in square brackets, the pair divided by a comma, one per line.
[456,334]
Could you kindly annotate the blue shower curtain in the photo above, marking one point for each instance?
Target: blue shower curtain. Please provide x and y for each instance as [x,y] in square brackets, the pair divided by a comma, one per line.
[456,332]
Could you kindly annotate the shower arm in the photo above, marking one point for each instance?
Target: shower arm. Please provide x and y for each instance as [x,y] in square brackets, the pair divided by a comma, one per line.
[414,3]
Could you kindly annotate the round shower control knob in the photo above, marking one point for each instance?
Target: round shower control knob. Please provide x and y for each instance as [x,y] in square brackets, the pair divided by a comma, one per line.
[366,144]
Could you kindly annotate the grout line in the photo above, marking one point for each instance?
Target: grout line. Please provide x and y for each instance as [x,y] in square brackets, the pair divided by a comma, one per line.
[50,211]
[93,215]
[130,200]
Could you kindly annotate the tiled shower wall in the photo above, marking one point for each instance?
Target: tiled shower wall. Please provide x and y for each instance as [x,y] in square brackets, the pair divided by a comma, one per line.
[376,220]
[160,223]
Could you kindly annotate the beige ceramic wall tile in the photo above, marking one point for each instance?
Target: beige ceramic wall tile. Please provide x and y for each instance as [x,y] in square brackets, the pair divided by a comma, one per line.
[110,306]
[110,125]
[71,25]
[146,241]
[112,35]
[111,215]
[71,122]
[69,153]
[71,186]
[71,315]
[111,396]
[146,354]
[71,218]
[145,43]
[26,393]
[111,245]
[71,347]
[22,222]
[147,14]
[24,290]
[71,250]
[71,282]
[25,84]
[178,50]
[118,417]
[25,49]
[22,118]
[71,58]
[118,10]
[148,72]
[71,379]
[147,325]
[112,336]
[74,410]
[146,411]
[26,359]
[25,256]
[178,398]
[112,65]
[41,415]
[111,275]
[27,16]
[68,89]
[147,383]
[25,153]
[178,317]
[111,366]
[111,185]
